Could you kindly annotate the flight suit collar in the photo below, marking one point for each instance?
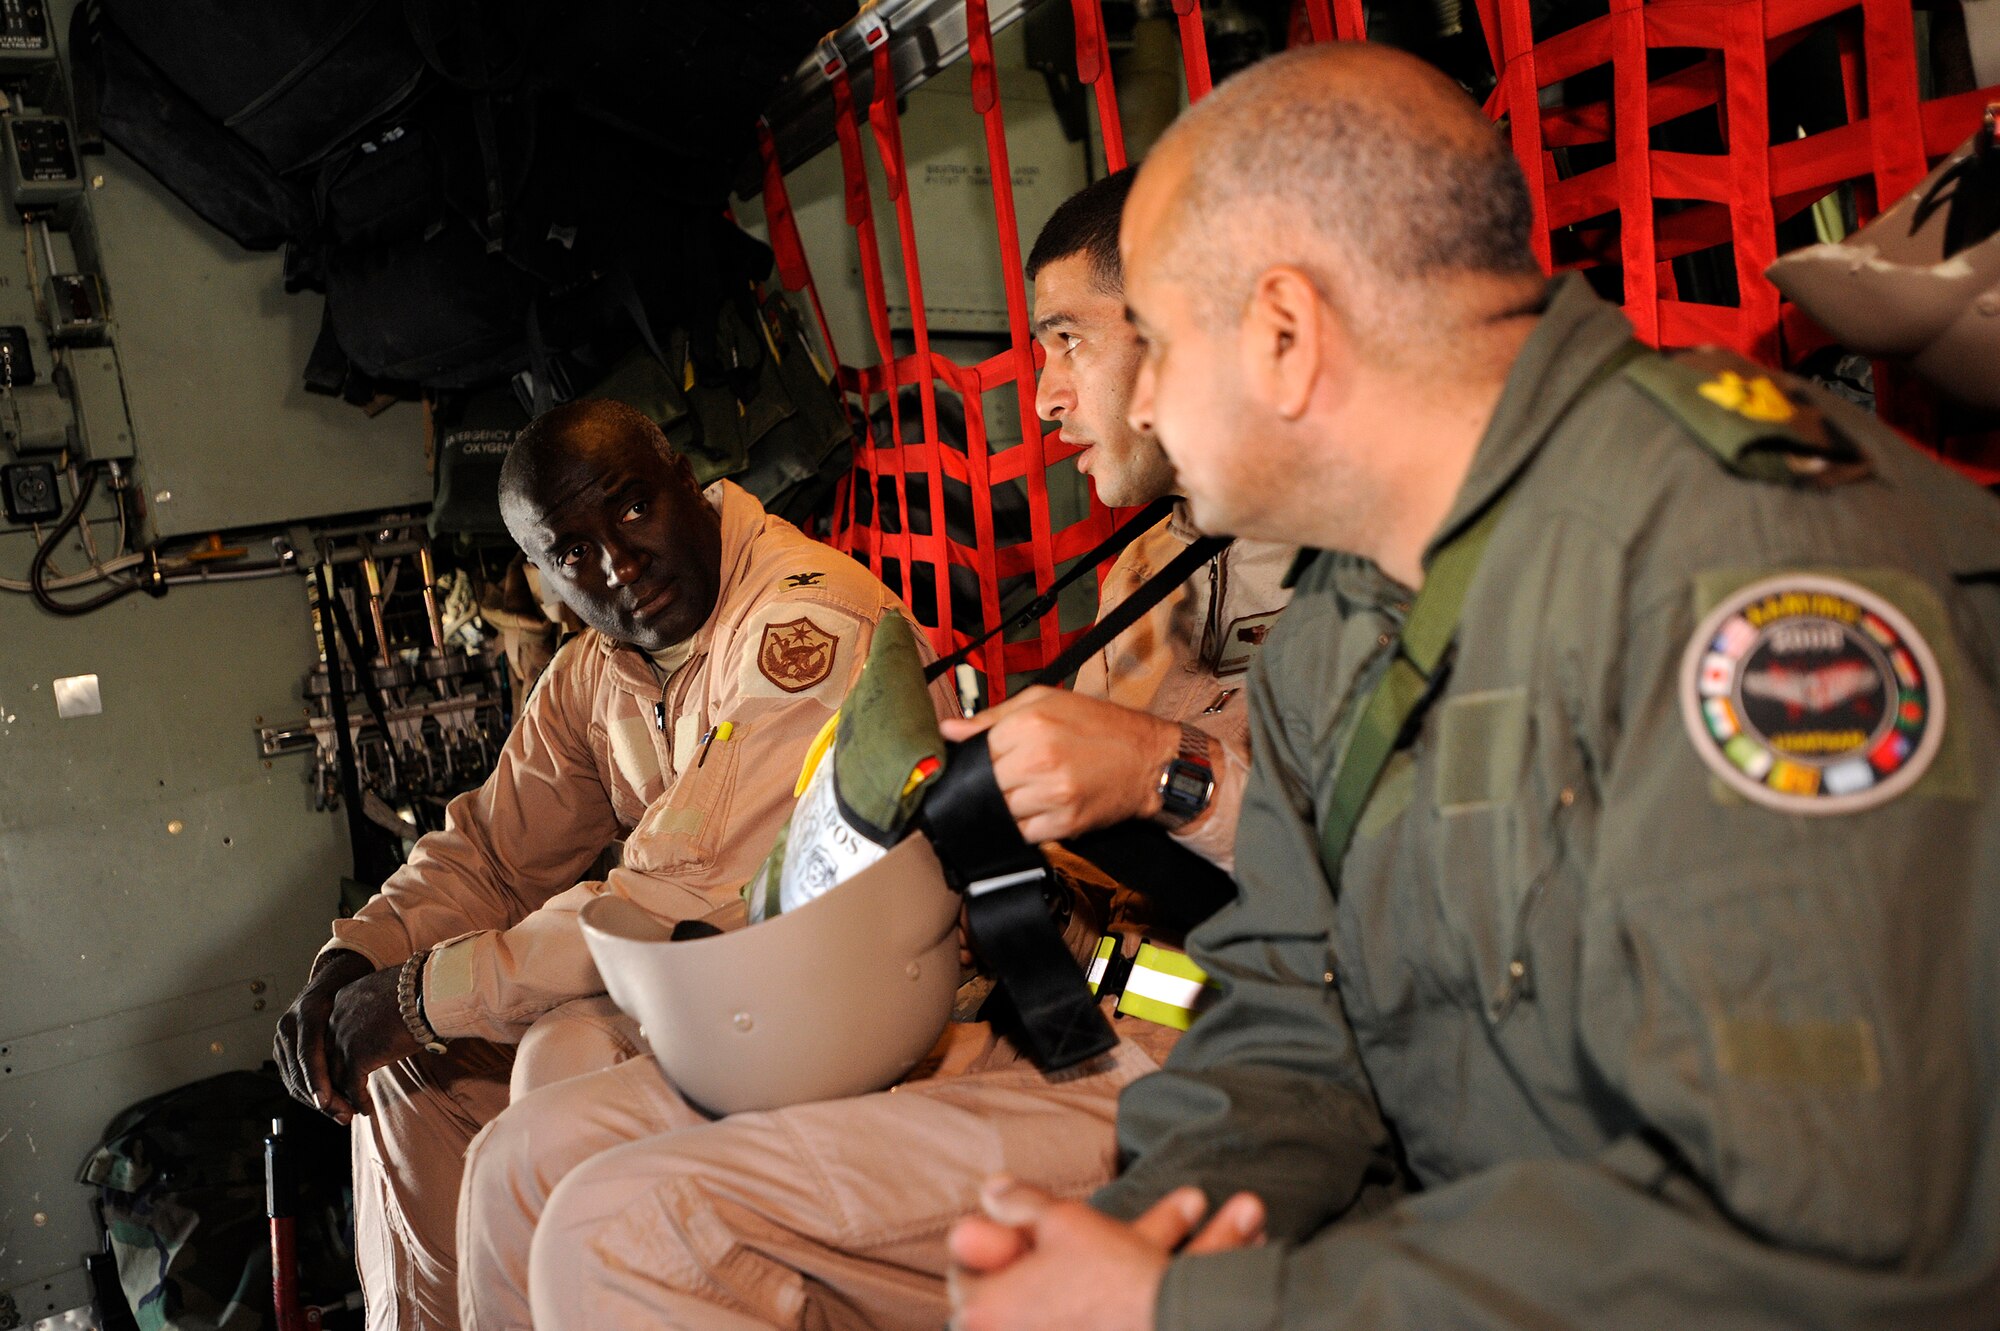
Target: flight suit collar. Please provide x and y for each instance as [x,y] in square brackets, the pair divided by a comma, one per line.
[1180,524]
[1576,334]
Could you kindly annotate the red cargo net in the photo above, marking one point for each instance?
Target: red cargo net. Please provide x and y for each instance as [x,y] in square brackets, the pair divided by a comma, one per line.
[1606,215]
[892,475]
[1609,214]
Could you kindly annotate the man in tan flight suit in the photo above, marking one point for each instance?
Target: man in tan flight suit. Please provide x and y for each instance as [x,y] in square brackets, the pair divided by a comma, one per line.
[720,640]
[835,1213]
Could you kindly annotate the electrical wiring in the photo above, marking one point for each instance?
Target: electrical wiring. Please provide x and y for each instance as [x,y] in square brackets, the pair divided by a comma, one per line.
[99,570]
[163,570]
[66,582]
[53,578]
[38,586]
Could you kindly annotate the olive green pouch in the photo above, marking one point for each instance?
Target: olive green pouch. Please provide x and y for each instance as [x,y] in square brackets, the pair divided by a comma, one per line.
[888,730]
[857,800]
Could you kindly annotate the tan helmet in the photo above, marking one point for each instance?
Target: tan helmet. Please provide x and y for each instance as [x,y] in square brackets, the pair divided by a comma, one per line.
[840,996]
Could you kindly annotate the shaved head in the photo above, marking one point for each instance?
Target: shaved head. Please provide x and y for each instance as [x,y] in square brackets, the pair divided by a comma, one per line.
[1327,265]
[612,515]
[555,450]
[1362,166]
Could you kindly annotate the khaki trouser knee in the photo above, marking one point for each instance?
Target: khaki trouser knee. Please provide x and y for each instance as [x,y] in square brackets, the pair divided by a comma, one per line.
[828,1215]
[512,1166]
[586,1035]
[407,1157]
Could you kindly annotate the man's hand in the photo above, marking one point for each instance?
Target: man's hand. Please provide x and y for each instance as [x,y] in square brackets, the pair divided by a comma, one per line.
[1031,1262]
[1068,764]
[366,1032]
[301,1049]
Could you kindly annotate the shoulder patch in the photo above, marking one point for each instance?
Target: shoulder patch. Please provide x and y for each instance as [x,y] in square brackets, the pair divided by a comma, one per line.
[796,654]
[797,580]
[1756,421]
[1811,694]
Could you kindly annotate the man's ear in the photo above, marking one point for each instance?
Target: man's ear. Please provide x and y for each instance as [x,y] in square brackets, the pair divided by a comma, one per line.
[1285,339]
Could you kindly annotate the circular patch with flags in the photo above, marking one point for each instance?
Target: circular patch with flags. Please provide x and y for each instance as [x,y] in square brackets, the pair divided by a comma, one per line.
[1812,695]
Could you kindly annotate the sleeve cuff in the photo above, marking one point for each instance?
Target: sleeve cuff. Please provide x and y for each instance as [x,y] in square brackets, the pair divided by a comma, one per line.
[340,944]
[1223,1291]
[449,1005]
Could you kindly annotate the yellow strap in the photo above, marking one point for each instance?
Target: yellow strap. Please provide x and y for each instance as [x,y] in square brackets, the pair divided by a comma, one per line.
[1149,1009]
[1170,962]
[816,751]
[1161,961]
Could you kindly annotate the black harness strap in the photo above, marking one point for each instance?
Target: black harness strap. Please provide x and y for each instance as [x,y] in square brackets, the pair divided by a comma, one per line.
[1127,612]
[1046,1005]
[324,594]
[1005,883]
[1111,546]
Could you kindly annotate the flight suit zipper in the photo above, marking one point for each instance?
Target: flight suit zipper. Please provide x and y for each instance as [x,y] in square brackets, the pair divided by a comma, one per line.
[1212,645]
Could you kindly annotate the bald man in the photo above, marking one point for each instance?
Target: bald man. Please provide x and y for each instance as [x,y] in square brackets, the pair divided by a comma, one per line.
[701,609]
[1617,942]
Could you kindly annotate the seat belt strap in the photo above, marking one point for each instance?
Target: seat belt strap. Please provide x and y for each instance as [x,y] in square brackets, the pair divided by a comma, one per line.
[1127,612]
[1110,547]
[1044,1004]
[1157,984]
[1422,660]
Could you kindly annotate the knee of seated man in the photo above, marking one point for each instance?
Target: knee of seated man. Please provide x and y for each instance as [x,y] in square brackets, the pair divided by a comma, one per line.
[582,1223]
[584,1035]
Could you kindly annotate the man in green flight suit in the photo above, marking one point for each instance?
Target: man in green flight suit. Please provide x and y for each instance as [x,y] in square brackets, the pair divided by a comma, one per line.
[1618,941]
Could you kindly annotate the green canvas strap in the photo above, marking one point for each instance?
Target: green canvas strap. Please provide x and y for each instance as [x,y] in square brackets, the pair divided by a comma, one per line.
[1413,675]
[1418,668]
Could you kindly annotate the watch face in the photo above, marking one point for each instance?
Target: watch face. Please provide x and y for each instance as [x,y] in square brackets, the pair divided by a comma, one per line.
[1187,788]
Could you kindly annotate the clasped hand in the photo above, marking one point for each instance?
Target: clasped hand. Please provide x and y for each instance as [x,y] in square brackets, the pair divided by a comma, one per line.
[1028,1262]
[343,1025]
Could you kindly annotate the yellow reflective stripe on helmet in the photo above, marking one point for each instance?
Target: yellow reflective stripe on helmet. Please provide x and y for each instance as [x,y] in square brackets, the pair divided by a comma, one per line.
[814,752]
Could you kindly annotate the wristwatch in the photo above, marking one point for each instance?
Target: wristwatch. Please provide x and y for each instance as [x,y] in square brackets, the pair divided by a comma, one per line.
[1187,782]
[410,1004]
